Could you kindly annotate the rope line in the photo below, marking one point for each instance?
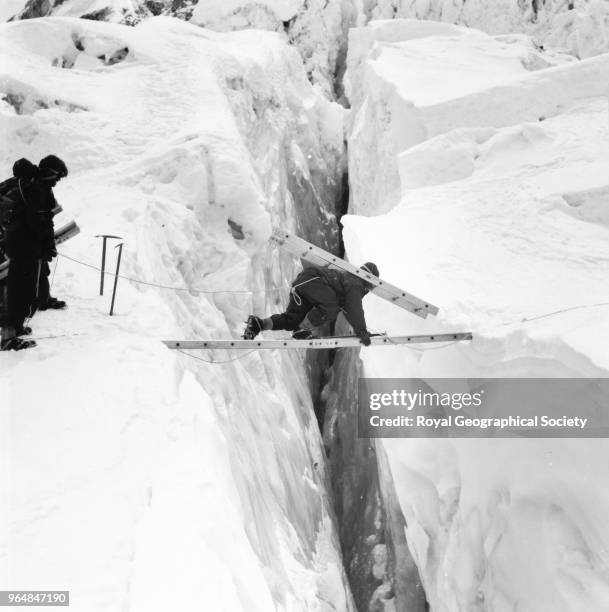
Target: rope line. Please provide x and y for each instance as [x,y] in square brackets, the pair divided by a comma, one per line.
[297,299]
[212,361]
[70,335]
[248,292]
[53,277]
[160,286]
[556,312]
[430,348]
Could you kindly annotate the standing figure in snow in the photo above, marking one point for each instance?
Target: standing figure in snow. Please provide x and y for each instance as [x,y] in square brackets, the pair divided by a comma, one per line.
[51,170]
[29,242]
[19,291]
[25,171]
[317,296]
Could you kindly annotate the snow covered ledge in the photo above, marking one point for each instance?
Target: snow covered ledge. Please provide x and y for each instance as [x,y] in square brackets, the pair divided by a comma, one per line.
[410,80]
[135,477]
[497,220]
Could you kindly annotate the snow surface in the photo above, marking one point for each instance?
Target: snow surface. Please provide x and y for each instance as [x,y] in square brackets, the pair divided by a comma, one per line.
[495,222]
[115,8]
[8,8]
[218,10]
[583,33]
[136,477]
[192,491]
[582,30]
[412,90]
[319,28]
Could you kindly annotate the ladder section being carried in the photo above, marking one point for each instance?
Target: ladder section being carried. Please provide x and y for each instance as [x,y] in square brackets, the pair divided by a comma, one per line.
[65,232]
[314,343]
[316,256]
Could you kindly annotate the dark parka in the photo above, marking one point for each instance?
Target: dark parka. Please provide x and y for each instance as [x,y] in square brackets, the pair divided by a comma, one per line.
[29,237]
[350,291]
[30,231]
[320,294]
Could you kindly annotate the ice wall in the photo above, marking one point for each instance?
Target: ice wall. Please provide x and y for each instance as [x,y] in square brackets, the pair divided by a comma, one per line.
[404,88]
[136,477]
[493,211]
[381,571]
[317,28]
[578,27]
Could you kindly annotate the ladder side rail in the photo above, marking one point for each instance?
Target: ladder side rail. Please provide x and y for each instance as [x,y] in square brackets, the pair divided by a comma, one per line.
[318,256]
[315,343]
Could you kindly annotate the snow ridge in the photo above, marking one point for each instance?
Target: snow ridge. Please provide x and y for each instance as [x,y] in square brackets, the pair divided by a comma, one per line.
[486,190]
[132,466]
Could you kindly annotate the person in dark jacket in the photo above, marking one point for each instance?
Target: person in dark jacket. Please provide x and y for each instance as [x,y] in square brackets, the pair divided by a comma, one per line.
[20,287]
[317,296]
[25,171]
[29,242]
[51,170]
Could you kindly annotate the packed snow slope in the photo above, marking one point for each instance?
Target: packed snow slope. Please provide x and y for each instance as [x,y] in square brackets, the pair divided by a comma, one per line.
[319,28]
[500,218]
[579,27]
[136,477]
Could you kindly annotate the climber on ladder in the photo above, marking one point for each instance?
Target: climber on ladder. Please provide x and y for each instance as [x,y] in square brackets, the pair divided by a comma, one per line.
[317,295]
[326,287]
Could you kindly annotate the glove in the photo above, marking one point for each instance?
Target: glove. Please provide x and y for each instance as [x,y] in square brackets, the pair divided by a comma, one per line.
[49,254]
[364,338]
[303,334]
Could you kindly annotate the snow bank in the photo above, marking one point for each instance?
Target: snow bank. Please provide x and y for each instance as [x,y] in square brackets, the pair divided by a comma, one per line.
[317,28]
[580,27]
[443,78]
[282,10]
[134,476]
[583,32]
[116,11]
[499,219]
[9,8]
[493,16]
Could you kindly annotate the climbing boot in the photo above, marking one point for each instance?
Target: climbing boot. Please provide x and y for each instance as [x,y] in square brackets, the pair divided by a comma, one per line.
[16,344]
[253,327]
[53,304]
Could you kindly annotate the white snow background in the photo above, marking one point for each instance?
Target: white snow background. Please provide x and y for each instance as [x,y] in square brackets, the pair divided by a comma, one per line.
[478,176]
[131,475]
[490,178]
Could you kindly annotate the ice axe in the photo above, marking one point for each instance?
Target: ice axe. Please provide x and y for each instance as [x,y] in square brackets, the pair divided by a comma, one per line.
[103,260]
[118,267]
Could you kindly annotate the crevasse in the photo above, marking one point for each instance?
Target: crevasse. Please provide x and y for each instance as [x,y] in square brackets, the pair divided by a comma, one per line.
[151,480]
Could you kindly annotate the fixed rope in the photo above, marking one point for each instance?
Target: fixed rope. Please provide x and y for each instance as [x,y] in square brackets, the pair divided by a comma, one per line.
[215,362]
[161,286]
[249,291]
[527,319]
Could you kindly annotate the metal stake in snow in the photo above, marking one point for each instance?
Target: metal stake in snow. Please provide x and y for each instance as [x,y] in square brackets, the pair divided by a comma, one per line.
[103,260]
[118,267]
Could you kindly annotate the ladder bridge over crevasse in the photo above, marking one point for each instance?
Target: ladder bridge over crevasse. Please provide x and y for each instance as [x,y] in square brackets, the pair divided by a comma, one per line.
[317,256]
